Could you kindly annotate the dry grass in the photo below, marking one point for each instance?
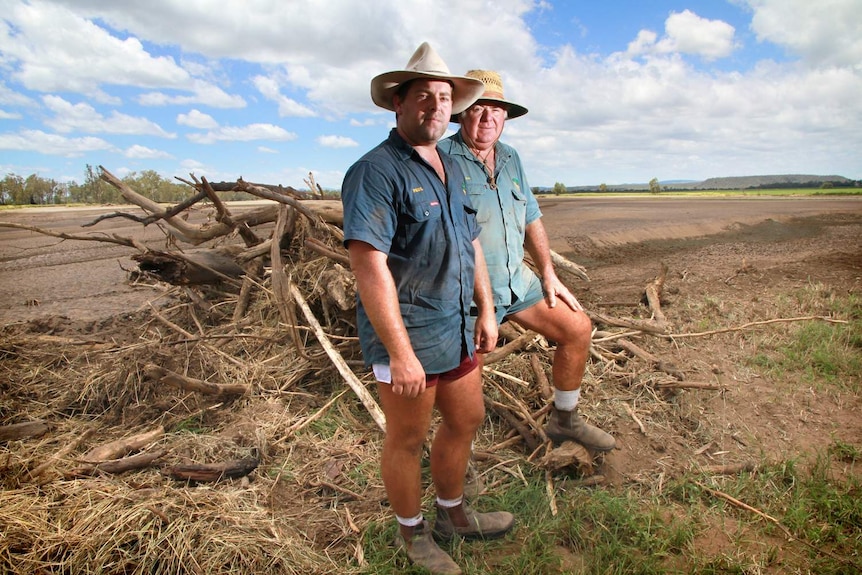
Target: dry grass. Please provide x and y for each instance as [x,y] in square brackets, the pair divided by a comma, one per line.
[305,507]
[303,510]
[281,518]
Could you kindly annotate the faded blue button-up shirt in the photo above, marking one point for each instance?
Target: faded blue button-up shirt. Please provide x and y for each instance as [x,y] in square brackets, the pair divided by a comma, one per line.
[394,201]
[502,214]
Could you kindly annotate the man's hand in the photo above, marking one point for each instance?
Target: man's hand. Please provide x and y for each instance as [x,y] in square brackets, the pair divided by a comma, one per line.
[553,288]
[408,376]
[486,332]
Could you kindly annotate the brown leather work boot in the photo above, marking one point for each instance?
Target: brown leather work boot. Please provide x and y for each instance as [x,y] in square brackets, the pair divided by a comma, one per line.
[569,426]
[480,525]
[423,551]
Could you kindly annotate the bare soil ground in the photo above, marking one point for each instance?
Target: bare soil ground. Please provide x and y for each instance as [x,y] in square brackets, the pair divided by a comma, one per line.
[738,260]
[741,258]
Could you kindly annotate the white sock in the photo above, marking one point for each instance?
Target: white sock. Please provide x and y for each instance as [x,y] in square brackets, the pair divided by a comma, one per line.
[409,521]
[450,503]
[566,400]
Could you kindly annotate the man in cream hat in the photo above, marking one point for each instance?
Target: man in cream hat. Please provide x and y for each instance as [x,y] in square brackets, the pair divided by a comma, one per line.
[511,221]
[413,242]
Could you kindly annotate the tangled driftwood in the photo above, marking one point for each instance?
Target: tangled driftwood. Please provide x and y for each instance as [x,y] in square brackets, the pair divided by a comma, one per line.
[289,252]
[267,233]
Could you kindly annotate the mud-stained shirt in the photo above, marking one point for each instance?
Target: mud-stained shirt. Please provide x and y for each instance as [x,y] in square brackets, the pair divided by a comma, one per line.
[503,215]
[394,201]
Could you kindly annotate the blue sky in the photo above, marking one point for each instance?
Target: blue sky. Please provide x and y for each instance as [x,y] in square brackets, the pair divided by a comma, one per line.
[270,90]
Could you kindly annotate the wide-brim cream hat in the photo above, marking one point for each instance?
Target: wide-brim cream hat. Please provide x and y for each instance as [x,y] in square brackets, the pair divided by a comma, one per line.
[426,63]
[493,92]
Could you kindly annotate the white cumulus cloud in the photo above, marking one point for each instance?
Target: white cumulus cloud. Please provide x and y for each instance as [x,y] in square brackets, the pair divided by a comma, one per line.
[243,134]
[337,142]
[51,48]
[144,153]
[270,90]
[687,33]
[826,32]
[52,144]
[197,119]
[83,117]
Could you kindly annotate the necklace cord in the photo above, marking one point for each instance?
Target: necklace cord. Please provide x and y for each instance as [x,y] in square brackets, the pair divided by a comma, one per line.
[491,178]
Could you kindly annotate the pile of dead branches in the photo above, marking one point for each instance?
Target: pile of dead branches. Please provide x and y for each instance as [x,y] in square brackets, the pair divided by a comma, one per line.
[292,259]
[225,381]
[277,276]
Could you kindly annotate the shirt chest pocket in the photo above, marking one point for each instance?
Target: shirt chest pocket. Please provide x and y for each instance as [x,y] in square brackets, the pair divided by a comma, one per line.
[517,208]
[420,223]
[480,197]
[518,194]
[422,207]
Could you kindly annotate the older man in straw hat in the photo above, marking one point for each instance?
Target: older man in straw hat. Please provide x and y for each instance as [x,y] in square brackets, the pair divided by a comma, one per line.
[510,219]
[413,242]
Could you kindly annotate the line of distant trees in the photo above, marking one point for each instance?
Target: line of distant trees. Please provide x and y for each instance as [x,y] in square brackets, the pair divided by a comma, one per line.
[35,190]
[654,187]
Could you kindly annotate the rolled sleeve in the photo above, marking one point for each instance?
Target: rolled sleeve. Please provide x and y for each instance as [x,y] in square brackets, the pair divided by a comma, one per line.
[369,214]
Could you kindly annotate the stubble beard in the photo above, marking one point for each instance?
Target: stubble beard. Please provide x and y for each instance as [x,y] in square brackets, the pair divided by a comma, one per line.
[428,132]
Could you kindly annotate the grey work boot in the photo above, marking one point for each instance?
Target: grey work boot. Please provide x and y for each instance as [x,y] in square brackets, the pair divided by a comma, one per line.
[423,551]
[481,525]
[569,426]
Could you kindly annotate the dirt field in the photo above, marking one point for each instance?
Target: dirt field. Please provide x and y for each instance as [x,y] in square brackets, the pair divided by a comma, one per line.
[741,256]
[742,260]
[41,276]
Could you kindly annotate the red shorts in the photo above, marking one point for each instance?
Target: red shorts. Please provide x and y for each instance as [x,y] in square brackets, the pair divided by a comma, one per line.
[467,365]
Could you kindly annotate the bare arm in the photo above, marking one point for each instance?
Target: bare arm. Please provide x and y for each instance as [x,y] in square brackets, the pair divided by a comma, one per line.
[486,323]
[536,243]
[380,300]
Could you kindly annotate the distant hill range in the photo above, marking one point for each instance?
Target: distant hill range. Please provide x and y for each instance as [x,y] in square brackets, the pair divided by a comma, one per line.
[734,183]
[783,180]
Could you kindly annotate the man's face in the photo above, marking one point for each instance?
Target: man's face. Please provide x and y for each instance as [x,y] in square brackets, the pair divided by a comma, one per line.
[423,113]
[482,123]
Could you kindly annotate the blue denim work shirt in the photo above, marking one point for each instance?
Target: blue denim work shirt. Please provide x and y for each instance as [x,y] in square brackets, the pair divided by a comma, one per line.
[503,215]
[394,201]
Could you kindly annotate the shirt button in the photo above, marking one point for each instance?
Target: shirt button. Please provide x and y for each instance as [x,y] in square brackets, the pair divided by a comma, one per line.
[427,213]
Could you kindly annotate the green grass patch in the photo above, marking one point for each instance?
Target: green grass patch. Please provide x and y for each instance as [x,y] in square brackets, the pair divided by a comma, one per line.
[622,533]
[819,508]
[679,527]
[821,351]
[682,529]
[193,424]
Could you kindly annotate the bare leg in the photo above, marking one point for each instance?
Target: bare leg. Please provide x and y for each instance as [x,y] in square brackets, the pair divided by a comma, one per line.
[407,424]
[571,331]
[462,409]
